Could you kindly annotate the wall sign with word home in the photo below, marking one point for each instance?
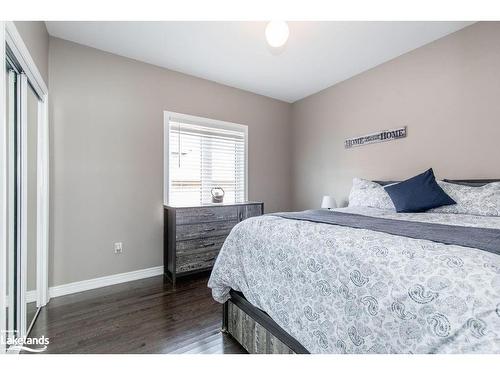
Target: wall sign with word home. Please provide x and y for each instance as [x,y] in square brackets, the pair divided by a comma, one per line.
[383,136]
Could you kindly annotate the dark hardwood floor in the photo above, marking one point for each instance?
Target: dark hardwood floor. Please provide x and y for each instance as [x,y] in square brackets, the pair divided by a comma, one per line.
[144,316]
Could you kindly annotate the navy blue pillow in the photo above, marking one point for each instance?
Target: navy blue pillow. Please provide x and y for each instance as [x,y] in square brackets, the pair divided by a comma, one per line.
[418,194]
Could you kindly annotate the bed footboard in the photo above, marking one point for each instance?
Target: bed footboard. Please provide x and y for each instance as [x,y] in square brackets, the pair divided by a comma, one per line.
[255,330]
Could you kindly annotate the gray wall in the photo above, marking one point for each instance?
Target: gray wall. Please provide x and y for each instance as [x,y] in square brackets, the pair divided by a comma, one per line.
[107,155]
[36,38]
[446,92]
[107,148]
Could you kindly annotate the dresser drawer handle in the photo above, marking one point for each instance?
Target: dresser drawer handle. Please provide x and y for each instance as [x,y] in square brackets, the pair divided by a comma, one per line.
[209,230]
[207,215]
[209,244]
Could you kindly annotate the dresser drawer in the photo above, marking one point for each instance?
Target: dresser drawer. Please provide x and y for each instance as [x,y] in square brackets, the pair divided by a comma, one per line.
[204,230]
[197,261]
[206,214]
[199,245]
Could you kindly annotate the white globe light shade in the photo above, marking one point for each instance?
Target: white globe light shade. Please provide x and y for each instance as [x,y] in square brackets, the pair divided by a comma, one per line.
[277,33]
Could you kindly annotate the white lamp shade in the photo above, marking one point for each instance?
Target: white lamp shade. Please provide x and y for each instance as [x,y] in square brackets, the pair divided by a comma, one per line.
[328,202]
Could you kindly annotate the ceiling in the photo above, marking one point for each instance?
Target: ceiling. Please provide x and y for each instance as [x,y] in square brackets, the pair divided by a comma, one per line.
[316,56]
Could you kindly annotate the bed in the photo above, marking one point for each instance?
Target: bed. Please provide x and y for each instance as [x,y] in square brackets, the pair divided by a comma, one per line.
[295,285]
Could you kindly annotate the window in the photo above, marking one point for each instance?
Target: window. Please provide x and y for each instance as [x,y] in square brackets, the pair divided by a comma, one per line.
[202,154]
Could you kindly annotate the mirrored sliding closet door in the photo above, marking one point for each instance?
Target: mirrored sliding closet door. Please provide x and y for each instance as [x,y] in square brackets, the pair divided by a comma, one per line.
[23,119]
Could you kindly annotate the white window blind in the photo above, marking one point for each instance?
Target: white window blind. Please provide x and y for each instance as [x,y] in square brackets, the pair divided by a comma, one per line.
[202,157]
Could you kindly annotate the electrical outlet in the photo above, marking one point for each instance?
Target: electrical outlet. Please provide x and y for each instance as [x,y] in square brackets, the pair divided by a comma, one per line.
[118,248]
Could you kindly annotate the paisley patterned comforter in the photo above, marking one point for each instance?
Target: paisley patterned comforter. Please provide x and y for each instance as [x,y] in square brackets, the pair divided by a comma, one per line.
[344,290]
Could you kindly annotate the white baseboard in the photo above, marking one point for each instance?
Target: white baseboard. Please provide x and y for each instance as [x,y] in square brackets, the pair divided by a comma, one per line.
[81,286]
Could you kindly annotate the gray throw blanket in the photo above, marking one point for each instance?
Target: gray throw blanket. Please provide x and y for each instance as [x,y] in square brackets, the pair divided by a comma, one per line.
[486,239]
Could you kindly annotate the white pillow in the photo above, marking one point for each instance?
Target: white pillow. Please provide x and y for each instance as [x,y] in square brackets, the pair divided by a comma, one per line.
[366,193]
[471,200]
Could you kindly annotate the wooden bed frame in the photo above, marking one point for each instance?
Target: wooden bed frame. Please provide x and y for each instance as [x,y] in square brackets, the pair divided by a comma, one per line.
[257,332]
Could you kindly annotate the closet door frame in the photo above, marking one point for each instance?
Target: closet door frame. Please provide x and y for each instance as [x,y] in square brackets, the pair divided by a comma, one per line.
[10,36]
[22,256]
[3,196]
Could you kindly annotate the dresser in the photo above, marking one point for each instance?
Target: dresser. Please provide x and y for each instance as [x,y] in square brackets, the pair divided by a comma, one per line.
[194,235]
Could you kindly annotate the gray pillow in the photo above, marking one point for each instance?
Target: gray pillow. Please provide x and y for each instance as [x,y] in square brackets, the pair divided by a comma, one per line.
[471,200]
[365,193]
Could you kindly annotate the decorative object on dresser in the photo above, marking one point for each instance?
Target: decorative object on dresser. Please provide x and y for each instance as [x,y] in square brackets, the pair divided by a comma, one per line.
[328,202]
[193,235]
[217,194]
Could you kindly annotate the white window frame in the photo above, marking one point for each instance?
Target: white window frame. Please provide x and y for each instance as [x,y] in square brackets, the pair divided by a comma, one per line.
[10,36]
[224,125]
